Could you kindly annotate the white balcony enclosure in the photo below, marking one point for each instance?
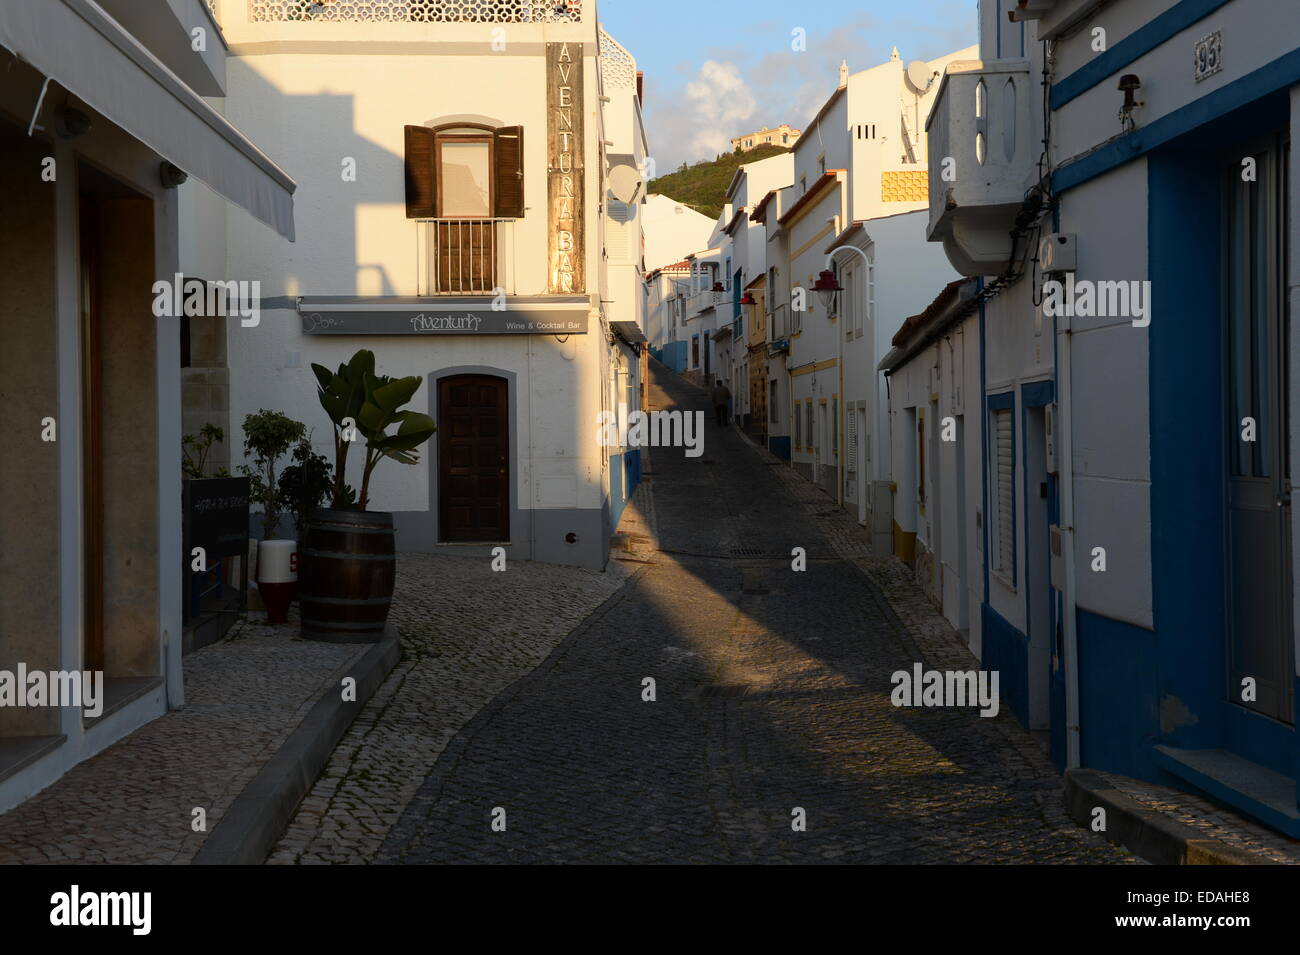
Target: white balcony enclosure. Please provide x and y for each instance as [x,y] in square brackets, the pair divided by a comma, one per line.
[982,154]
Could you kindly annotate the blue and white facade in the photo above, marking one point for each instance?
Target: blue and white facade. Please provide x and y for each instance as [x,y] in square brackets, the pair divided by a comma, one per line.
[1136,526]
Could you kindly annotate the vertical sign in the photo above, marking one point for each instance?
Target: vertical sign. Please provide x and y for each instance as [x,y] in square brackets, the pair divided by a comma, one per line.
[564,146]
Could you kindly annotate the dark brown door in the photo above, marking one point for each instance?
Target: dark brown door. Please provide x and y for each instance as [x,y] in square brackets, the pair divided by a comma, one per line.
[473,459]
[92,432]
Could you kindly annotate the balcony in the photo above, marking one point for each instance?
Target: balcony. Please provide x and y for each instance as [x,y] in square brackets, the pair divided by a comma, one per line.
[466,256]
[702,301]
[983,151]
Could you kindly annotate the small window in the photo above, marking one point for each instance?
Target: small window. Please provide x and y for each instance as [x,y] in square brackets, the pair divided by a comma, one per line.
[771,403]
[797,422]
[1002,546]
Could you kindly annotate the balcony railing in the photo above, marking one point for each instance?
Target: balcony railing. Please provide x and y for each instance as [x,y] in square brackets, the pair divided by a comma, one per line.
[700,301]
[779,323]
[466,256]
[416,11]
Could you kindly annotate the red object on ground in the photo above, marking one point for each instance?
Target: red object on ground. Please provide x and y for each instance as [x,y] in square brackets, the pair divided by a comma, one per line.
[276,598]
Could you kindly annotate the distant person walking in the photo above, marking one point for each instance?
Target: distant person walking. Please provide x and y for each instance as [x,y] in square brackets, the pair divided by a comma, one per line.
[721,395]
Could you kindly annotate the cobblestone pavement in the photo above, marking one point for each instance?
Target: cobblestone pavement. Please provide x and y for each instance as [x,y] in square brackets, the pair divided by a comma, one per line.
[132,803]
[467,633]
[772,703]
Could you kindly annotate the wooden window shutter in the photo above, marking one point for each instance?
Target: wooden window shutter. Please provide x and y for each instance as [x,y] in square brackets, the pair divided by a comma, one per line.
[510,172]
[420,191]
[1003,496]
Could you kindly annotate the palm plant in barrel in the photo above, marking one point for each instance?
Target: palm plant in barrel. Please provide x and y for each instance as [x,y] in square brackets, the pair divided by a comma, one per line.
[349,551]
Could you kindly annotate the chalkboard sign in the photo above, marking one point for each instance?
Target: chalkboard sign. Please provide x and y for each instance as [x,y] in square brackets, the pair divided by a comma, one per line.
[216,516]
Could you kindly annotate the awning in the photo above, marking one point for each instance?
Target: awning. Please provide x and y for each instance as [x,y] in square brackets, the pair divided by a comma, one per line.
[630,332]
[78,45]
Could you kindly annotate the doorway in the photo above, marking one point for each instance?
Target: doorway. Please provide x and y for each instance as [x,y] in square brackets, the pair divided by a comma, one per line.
[1260,643]
[473,459]
[1037,544]
[89,278]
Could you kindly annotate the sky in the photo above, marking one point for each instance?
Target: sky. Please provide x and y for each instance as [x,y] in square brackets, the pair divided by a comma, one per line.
[715,69]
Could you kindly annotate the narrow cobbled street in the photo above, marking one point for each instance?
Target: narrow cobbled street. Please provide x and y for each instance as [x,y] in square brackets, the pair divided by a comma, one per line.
[772,695]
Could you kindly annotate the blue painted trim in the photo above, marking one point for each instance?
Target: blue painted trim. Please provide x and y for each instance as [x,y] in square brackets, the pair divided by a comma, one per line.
[1006,401]
[779,444]
[1280,74]
[984,450]
[1036,394]
[1006,650]
[1134,46]
[1033,394]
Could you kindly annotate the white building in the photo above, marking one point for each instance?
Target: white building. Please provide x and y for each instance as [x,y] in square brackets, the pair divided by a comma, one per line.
[473,216]
[855,210]
[101,111]
[1138,584]
[744,243]
[672,231]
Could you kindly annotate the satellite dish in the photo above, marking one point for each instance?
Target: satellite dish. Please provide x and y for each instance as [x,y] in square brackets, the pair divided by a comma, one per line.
[624,183]
[919,75]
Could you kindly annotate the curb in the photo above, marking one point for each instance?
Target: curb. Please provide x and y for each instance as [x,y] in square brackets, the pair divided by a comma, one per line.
[1148,834]
[249,829]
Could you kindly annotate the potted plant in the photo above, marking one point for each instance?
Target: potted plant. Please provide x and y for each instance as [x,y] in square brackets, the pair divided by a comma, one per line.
[349,553]
[268,436]
[304,486]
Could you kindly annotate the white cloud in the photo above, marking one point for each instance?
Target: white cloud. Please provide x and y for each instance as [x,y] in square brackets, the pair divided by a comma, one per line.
[711,109]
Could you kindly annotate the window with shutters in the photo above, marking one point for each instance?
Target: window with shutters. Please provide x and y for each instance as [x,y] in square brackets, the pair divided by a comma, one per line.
[772,404]
[798,427]
[811,426]
[464,180]
[1002,494]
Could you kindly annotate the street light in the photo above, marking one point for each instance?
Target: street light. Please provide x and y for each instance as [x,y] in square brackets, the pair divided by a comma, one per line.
[826,286]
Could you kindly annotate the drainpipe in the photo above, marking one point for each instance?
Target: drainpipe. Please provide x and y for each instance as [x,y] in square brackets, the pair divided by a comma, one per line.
[1065,447]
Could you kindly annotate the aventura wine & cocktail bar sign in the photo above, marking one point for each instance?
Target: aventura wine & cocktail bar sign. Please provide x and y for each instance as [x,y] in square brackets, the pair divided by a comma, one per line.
[445,315]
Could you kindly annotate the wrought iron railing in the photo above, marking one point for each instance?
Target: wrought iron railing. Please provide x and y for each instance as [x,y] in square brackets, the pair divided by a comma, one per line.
[465,256]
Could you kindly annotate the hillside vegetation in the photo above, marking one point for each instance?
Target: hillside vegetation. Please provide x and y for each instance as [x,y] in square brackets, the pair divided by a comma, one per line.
[703,186]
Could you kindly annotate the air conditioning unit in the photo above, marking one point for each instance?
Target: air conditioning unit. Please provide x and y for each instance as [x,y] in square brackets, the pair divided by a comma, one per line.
[982,155]
[1057,252]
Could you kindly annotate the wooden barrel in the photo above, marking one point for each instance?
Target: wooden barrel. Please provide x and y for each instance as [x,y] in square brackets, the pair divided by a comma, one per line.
[346,572]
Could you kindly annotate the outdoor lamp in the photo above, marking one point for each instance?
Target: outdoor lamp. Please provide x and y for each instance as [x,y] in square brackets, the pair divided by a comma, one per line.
[826,286]
[748,299]
[171,175]
[717,287]
[71,122]
[1130,84]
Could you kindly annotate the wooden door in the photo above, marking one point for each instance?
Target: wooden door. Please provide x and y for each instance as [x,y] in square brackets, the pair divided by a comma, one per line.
[473,459]
[92,437]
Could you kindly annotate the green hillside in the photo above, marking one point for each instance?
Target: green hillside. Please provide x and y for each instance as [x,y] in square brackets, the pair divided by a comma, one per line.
[703,186]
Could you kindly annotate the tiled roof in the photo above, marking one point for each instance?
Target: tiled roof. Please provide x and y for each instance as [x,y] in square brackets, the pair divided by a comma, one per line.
[941,301]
